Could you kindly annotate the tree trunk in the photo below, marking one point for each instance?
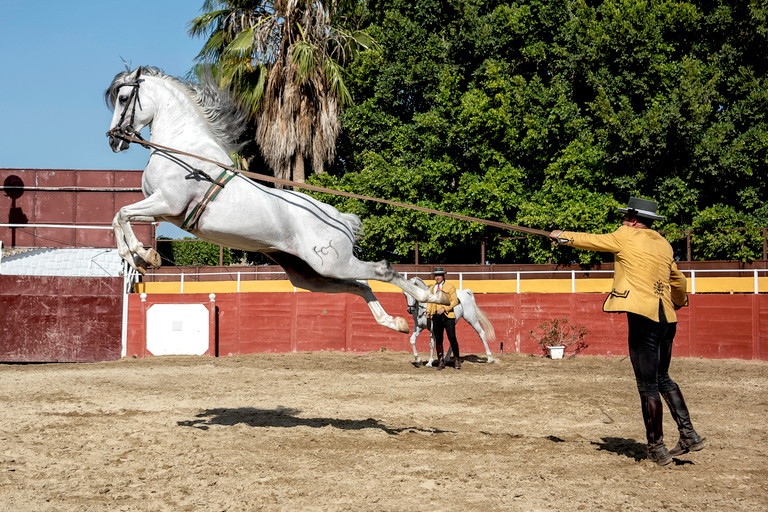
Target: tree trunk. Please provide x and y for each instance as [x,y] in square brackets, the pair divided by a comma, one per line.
[298,168]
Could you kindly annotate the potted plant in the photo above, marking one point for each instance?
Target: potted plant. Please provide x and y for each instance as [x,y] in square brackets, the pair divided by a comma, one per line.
[558,335]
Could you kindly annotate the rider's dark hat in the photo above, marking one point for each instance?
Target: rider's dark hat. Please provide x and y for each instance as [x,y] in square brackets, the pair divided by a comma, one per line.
[641,208]
[438,271]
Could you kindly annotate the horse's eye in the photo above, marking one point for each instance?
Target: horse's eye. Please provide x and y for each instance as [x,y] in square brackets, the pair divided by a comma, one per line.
[123,98]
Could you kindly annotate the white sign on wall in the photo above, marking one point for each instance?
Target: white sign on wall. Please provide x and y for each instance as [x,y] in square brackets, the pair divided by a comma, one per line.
[177,329]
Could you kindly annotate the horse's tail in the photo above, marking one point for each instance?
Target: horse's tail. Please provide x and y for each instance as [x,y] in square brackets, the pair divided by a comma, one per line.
[354,223]
[490,332]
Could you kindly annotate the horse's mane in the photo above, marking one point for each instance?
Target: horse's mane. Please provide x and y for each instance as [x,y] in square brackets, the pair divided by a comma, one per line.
[217,107]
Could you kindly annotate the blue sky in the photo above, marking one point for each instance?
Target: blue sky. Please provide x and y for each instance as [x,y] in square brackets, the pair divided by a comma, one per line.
[58,59]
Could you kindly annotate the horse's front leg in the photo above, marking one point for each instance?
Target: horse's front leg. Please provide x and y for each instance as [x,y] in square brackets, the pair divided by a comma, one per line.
[129,245]
[431,344]
[147,210]
[416,332]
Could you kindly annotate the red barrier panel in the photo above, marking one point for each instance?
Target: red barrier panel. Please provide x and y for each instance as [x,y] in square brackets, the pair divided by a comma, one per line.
[68,197]
[713,326]
[64,319]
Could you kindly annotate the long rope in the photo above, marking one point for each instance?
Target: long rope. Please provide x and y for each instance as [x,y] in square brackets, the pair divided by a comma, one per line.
[280,181]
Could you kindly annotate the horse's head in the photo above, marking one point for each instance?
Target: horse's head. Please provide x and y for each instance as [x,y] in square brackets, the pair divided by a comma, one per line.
[131,114]
[413,304]
[175,108]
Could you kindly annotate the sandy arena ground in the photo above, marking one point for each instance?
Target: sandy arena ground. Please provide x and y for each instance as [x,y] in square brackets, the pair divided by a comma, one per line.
[335,431]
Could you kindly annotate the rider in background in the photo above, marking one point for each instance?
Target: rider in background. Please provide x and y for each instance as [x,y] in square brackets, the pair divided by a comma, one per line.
[648,287]
[444,319]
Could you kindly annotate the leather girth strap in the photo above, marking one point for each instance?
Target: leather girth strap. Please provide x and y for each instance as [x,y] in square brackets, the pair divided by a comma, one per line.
[194,216]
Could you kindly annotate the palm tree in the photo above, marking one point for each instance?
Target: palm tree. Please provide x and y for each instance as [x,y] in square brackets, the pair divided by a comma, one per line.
[283,59]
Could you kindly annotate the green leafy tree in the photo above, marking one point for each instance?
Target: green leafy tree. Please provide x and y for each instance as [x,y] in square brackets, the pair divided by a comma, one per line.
[192,252]
[541,113]
[552,114]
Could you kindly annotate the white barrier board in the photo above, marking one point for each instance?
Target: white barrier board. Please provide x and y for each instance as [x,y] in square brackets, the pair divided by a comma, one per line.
[177,329]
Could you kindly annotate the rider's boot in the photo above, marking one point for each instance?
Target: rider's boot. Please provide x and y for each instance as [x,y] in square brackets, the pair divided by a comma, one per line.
[652,415]
[689,441]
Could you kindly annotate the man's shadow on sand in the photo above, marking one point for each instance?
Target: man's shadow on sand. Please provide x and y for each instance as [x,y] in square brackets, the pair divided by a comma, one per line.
[630,449]
[288,418]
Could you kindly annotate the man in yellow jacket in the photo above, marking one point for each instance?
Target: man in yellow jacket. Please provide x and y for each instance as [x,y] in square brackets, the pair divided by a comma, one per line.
[444,319]
[648,286]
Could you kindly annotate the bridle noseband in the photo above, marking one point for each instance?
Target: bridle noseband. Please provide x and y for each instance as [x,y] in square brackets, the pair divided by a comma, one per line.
[119,131]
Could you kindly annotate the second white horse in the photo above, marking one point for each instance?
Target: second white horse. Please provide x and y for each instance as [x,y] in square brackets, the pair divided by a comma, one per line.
[467,309]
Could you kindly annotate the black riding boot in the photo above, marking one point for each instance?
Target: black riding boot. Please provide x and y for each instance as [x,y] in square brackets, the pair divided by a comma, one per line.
[689,439]
[440,358]
[652,416]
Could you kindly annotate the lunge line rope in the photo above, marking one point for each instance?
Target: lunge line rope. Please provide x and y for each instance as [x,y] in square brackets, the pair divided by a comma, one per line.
[280,181]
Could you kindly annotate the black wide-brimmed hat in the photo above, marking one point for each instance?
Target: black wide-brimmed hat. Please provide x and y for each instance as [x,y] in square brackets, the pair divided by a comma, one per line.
[641,208]
[438,271]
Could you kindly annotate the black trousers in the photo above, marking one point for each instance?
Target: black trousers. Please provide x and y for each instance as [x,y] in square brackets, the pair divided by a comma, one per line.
[442,323]
[650,350]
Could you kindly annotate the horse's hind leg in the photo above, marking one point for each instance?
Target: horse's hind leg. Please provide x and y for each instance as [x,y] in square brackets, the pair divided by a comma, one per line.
[476,318]
[382,271]
[481,332]
[303,276]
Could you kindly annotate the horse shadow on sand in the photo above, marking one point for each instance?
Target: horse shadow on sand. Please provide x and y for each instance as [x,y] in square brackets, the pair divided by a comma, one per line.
[630,449]
[288,418]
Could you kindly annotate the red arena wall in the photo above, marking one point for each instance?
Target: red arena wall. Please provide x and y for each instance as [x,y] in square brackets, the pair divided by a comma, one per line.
[66,197]
[713,326]
[60,319]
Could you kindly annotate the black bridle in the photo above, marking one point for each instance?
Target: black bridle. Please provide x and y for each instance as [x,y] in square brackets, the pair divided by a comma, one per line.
[119,131]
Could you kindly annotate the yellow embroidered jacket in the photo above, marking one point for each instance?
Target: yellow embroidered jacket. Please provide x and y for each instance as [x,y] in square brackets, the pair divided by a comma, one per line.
[644,271]
[451,291]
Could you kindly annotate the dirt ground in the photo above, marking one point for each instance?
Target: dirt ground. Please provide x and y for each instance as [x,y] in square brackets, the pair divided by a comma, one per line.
[336,431]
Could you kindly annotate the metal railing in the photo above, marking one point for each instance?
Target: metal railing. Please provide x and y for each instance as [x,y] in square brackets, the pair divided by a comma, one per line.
[516,274]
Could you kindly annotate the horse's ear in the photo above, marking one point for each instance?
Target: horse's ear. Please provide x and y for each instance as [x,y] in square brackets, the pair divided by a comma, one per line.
[135,75]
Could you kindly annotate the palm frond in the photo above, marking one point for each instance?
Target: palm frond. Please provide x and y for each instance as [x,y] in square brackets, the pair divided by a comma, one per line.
[334,74]
[304,57]
[202,24]
[242,43]
[364,39]
[212,48]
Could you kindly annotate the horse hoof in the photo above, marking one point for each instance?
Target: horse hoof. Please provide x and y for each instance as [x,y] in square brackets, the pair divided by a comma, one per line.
[401,325]
[442,298]
[153,258]
[139,265]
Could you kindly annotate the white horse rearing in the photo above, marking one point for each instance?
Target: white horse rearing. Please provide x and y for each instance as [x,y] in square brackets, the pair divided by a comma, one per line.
[467,309]
[311,240]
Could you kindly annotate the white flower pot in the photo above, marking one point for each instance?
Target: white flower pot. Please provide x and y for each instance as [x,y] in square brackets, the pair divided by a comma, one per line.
[556,352]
